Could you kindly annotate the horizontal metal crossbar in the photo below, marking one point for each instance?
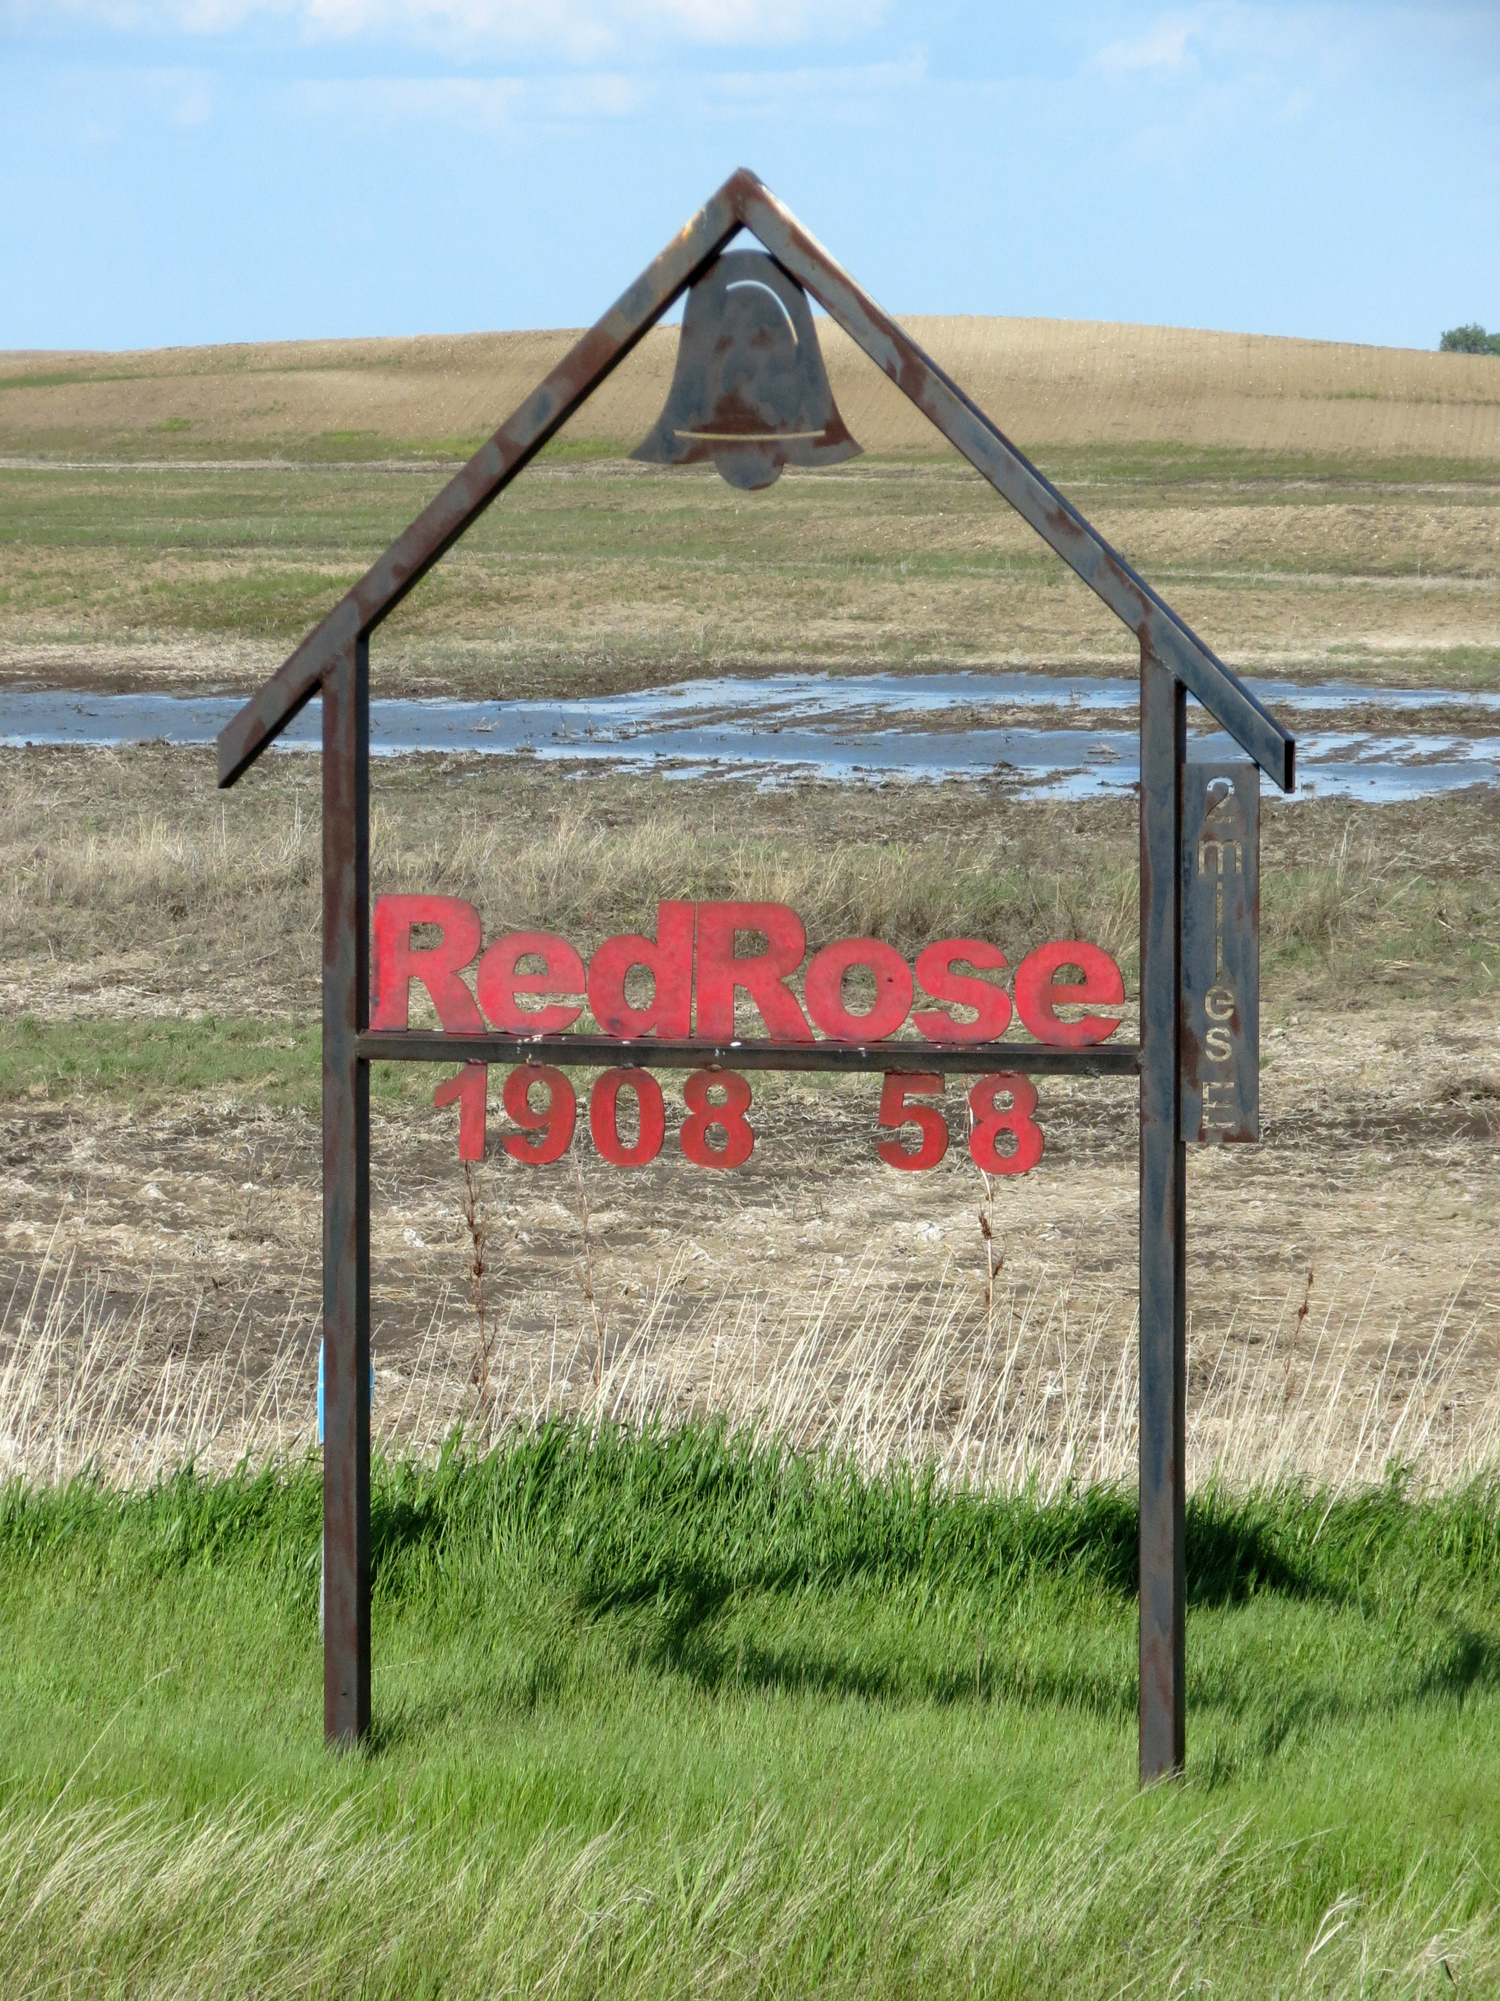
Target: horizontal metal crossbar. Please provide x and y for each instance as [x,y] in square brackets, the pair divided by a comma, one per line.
[606,1052]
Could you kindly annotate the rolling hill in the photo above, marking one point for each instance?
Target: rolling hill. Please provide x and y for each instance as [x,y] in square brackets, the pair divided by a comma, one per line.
[1046,382]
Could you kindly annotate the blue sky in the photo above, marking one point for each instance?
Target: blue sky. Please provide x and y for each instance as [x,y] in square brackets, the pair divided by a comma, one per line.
[177,171]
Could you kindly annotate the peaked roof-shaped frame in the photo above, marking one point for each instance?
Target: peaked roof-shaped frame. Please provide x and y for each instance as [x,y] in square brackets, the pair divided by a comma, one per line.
[744,202]
[334,659]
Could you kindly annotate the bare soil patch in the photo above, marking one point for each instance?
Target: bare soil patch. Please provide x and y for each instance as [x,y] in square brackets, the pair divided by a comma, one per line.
[185,1183]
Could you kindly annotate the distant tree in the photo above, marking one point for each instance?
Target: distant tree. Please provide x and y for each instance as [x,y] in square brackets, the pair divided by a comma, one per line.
[1469,340]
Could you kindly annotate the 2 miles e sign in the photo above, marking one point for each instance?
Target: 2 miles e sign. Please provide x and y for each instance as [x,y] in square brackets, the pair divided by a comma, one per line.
[1220,1026]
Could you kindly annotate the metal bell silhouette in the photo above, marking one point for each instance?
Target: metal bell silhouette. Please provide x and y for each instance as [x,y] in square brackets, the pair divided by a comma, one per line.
[749,391]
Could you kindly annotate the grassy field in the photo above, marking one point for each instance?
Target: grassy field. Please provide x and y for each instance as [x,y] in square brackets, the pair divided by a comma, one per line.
[667,1715]
[594,574]
[159,1055]
[115,863]
[180,519]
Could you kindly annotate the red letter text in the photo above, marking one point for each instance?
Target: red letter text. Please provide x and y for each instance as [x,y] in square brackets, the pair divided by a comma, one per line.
[929,1121]
[471,1088]
[824,988]
[763,976]
[991,1119]
[553,1125]
[604,1117]
[704,1116]
[1037,998]
[670,964]
[395,963]
[499,983]
[935,965]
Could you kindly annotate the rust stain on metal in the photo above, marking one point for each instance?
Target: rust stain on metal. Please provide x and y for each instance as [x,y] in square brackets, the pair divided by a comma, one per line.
[749,391]
[346,1203]
[471,490]
[1163,1188]
[744,202]
[579,1051]
[1018,481]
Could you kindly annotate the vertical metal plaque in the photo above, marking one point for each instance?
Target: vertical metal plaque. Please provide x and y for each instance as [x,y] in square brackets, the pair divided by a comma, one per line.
[1220,1034]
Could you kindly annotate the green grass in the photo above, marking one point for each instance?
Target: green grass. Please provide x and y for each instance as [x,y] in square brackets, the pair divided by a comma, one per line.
[157,1059]
[669,1714]
[58,377]
[263,552]
[1170,465]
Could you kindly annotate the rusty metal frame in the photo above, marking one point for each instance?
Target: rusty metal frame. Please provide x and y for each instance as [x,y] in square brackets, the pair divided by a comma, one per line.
[334,658]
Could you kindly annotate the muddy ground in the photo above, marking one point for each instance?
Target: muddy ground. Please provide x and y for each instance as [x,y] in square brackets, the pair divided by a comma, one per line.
[1377,1172]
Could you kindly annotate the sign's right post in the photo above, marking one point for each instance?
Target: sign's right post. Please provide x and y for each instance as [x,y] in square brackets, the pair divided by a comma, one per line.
[1163,1295]
[1200,1085]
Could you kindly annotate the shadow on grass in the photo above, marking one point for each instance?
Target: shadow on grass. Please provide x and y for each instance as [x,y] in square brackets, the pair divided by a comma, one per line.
[720,1666]
[683,1636]
[1469,1663]
[1231,1557]
[668,1611]
[695,1515]
[661,1548]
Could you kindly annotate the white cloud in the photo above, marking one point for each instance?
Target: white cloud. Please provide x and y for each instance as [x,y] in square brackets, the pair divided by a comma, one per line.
[579,29]
[500,104]
[1165,48]
[830,90]
[477,104]
[764,21]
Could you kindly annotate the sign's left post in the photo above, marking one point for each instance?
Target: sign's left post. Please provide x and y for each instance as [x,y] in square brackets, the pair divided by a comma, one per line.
[346,1197]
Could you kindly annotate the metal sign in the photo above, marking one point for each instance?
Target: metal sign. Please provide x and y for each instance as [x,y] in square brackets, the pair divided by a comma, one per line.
[750,394]
[531,985]
[1220,954]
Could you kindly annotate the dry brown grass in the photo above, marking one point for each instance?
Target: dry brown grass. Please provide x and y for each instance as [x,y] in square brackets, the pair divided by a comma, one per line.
[596,575]
[127,880]
[1035,1391]
[125,874]
[1047,382]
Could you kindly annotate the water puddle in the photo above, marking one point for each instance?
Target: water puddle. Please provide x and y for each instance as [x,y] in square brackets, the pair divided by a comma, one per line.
[869,728]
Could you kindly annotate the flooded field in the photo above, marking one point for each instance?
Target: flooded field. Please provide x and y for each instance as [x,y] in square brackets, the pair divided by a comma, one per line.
[1055,736]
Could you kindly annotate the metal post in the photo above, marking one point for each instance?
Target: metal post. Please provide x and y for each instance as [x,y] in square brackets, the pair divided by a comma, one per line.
[346,1198]
[1163,1312]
